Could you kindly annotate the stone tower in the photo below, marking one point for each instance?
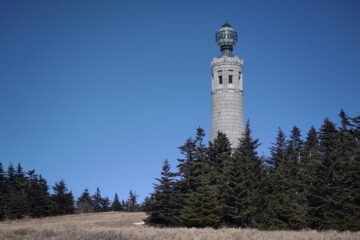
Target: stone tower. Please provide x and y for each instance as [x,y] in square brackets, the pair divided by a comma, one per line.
[227,88]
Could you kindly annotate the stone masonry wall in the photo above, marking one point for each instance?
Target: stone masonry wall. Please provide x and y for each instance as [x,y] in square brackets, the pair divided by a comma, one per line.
[227,99]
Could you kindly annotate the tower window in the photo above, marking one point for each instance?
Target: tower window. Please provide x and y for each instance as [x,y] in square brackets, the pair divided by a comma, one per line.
[220,79]
[230,79]
[239,75]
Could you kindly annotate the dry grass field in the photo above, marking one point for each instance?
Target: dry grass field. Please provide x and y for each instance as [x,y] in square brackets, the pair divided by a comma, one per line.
[119,226]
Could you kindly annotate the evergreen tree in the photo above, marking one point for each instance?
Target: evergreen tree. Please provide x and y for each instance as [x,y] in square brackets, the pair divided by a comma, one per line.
[202,207]
[123,205]
[116,205]
[148,204]
[284,208]
[63,200]
[16,205]
[346,214]
[84,203]
[311,150]
[311,161]
[163,211]
[219,154]
[243,180]
[37,195]
[131,202]
[97,200]
[105,204]
[278,151]
[191,168]
[186,166]
[296,168]
[323,192]
[303,184]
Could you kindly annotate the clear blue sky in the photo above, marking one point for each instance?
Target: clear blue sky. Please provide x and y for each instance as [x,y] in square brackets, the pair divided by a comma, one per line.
[99,93]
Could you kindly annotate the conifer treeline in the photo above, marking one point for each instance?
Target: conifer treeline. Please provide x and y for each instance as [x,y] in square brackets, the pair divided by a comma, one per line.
[27,194]
[304,183]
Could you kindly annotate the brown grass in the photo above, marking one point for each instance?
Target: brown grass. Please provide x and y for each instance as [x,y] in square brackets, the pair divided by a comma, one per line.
[119,226]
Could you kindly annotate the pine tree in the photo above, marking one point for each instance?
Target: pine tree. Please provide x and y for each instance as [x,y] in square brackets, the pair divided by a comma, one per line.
[116,205]
[311,161]
[297,174]
[272,218]
[346,213]
[278,151]
[63,200]
[163,210]
[131,203]
[186,166]
[243,180]
[84,203]
[16,205]
[100,204]
[97,200]
[323,192]
[37,195]
[148,203]
[202,208]
[194,178]
[219,154]
[123,205]
[105,204]
[191,168]
[284,207]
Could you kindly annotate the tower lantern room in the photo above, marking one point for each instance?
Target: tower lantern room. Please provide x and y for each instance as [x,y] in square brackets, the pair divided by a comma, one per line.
[226,39]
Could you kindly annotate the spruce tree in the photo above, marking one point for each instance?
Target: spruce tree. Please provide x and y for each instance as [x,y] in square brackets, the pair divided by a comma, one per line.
[311,161]
[284,208]
[278,151]
[116,205]
[16,204]
[296,168]
[200,172]
[97,200]
[84,203]
[202,208]
[123,205]
[131,203]
[243,181]
[191,167]
[62,198]
[105,204]
[163,210]
[148,203]
[323,192]
[186,166]
[268,219]
[38,196]
[219,153]
[346,213]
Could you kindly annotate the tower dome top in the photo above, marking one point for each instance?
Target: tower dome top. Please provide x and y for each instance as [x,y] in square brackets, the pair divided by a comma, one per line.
[226,24]
[226,38]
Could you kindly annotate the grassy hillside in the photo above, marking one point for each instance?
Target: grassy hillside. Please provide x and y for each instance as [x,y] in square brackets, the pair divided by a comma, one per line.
[119,226]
